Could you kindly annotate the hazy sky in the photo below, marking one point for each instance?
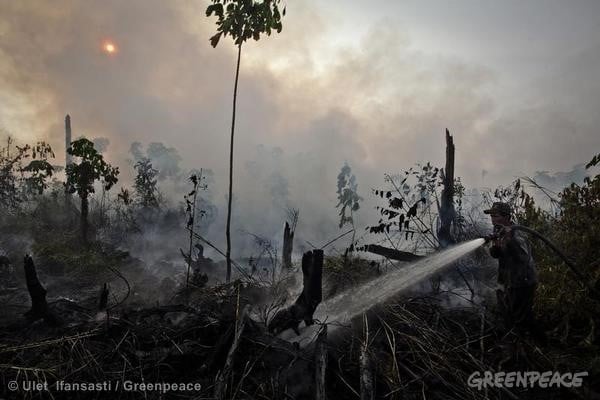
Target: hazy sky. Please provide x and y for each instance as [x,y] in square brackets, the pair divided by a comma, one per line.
[371,83]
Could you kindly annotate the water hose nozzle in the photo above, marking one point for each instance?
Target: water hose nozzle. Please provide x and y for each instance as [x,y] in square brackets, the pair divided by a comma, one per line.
[490,237]
[499,230]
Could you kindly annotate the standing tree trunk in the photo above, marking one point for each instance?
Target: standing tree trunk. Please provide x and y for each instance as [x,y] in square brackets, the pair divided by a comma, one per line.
[228,229]
[84,219]
[447,212]
[288,246]
[191,227]
[68,158]
[37,293]
[305,305]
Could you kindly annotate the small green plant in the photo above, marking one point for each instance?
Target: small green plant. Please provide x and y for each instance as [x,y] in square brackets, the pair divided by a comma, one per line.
[348,199]
[191,208]
[410,202]
[82,175]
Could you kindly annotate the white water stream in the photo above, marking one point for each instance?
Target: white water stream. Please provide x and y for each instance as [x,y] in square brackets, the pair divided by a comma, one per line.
[357,300]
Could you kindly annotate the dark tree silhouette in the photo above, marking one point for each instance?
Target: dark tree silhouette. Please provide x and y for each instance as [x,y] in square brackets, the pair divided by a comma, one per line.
[242,19]
[82,175]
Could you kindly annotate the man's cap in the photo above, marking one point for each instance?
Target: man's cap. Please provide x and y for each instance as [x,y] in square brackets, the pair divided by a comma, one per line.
[499,208]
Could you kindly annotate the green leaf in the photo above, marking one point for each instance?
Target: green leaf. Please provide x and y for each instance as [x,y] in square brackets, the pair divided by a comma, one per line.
[214,41]
[211,9]
[244,19]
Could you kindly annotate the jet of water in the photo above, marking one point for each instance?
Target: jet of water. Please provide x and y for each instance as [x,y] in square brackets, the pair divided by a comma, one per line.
[357,300]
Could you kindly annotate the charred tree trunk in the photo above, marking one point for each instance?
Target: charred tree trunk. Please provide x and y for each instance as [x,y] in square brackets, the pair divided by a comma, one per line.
[312,272]
[447,212]
[392,254]
[37,293]
[288,246]
[68,158]
[306,304]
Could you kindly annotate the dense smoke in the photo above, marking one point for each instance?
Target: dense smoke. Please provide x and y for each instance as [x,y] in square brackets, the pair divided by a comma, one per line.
[305,106]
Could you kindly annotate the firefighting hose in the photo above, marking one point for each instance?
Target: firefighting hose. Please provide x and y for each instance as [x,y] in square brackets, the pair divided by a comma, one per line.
[583,279]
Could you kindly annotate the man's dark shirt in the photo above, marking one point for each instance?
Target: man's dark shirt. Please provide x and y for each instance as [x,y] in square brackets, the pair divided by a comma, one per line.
[516,265]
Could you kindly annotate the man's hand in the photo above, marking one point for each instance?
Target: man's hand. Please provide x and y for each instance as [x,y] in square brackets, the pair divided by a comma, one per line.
[503,233]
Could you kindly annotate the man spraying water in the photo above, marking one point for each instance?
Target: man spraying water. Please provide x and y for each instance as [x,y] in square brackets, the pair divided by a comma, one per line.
[517,274]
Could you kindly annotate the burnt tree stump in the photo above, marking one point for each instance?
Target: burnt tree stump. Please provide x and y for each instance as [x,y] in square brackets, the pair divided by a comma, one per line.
[37,293]
[306,304]
[447,211]
[288,246]
[312,293]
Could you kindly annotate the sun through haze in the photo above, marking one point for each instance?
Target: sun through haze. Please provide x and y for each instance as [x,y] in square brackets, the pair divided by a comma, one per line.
[109,47]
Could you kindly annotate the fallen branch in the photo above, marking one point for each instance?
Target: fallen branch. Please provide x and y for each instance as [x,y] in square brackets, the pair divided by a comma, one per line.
[392,254]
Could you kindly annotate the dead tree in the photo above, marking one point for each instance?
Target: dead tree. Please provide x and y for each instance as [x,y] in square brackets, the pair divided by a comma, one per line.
[447,212]
[288,245]
[306,304]
[288,238]
[312,274]
[37,293]
[392,254]
[68,157]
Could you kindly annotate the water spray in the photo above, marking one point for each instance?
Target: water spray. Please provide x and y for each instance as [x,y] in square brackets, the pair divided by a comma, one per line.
[342,308]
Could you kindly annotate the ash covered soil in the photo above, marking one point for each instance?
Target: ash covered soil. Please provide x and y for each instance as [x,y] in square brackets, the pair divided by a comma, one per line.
[215,335]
